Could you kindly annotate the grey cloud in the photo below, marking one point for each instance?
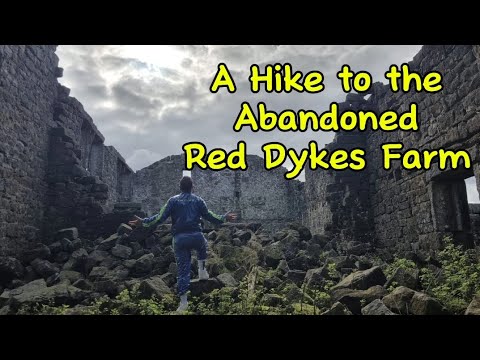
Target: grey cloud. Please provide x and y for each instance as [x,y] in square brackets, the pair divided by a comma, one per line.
[186,62]
[116,62]
[125,98]
[156,109]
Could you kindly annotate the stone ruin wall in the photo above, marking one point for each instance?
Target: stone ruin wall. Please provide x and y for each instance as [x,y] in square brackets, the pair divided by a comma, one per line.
[255,194]
[47,143]
[55,170]
[407,210]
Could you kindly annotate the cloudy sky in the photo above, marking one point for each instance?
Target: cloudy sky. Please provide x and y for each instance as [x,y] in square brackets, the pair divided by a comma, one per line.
[148,100]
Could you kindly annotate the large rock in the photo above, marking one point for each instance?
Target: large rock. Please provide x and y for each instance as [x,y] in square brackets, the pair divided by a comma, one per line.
[95,258]
[281,234]
[154,286]
[474,307]
[291,244]
[98,273]
[6,310]
[355,299]
[70,275]
[373,293]
[243,235]
[124,229]
[399,300]
[296,276]
[70,234]
[294,294]
[61,257]
[362,280]
[282,267]
[300,262]
[404,277]
[44,268]
[423,304]
[273,254]
[200,287]
[363,264]
[67,245]
[10,268]
[30,274]
[55,247]
[321,240]
[102,273]
[317,277]
[226,279]
[169,279]
[83,284]
[342,262]
[152,241]
[143,266]
[108,243]
[272,300]
[337,309]
[303,231]
[108,281]
[79,260]
[121,251]
[40,252]
[37,292]
[109,287]
[357,248]
[77,244]
[272,282]
[376,307]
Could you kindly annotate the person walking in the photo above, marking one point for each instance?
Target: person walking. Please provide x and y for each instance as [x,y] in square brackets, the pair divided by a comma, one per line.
[186,209]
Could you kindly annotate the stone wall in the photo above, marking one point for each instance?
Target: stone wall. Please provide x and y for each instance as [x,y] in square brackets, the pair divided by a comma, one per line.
[55,169]
[337,202]
[154,185]
[112,169]
[28,88]
[49,150]
[475,220]
[412,210]
[255,194]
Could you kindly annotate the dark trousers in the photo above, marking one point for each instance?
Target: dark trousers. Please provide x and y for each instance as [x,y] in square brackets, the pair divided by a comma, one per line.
[183,244]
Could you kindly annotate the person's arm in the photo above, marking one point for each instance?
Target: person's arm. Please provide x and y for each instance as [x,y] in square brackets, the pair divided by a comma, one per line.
[159,218]
[214,218]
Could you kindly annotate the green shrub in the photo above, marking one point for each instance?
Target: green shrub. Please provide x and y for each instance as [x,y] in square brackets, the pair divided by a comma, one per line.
[398,263]
[457,282]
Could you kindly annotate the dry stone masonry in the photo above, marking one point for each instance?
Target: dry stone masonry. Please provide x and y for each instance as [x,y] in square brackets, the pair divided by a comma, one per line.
[56,172]
[397,210]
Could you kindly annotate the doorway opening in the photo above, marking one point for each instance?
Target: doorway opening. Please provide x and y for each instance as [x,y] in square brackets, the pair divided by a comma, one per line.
[450,206]
[474,207]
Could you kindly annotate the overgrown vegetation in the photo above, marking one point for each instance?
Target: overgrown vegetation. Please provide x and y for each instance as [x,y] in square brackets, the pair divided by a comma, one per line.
[457,281]
[454,284]
[249,298]
[398,263]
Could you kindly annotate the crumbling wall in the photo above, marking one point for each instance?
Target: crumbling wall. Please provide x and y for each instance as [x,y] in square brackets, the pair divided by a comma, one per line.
[97,159]
[337,202]
[405,208]
[266,196]
[413,210]
[255,194]
[154,185]
[28,88]
[219,189]
[116,174]
[475,219]
[49,153]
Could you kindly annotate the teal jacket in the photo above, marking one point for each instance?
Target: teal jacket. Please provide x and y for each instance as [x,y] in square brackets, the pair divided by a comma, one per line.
[185,209]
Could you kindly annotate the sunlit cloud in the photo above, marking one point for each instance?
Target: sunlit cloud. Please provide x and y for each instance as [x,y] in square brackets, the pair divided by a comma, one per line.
[148,100]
